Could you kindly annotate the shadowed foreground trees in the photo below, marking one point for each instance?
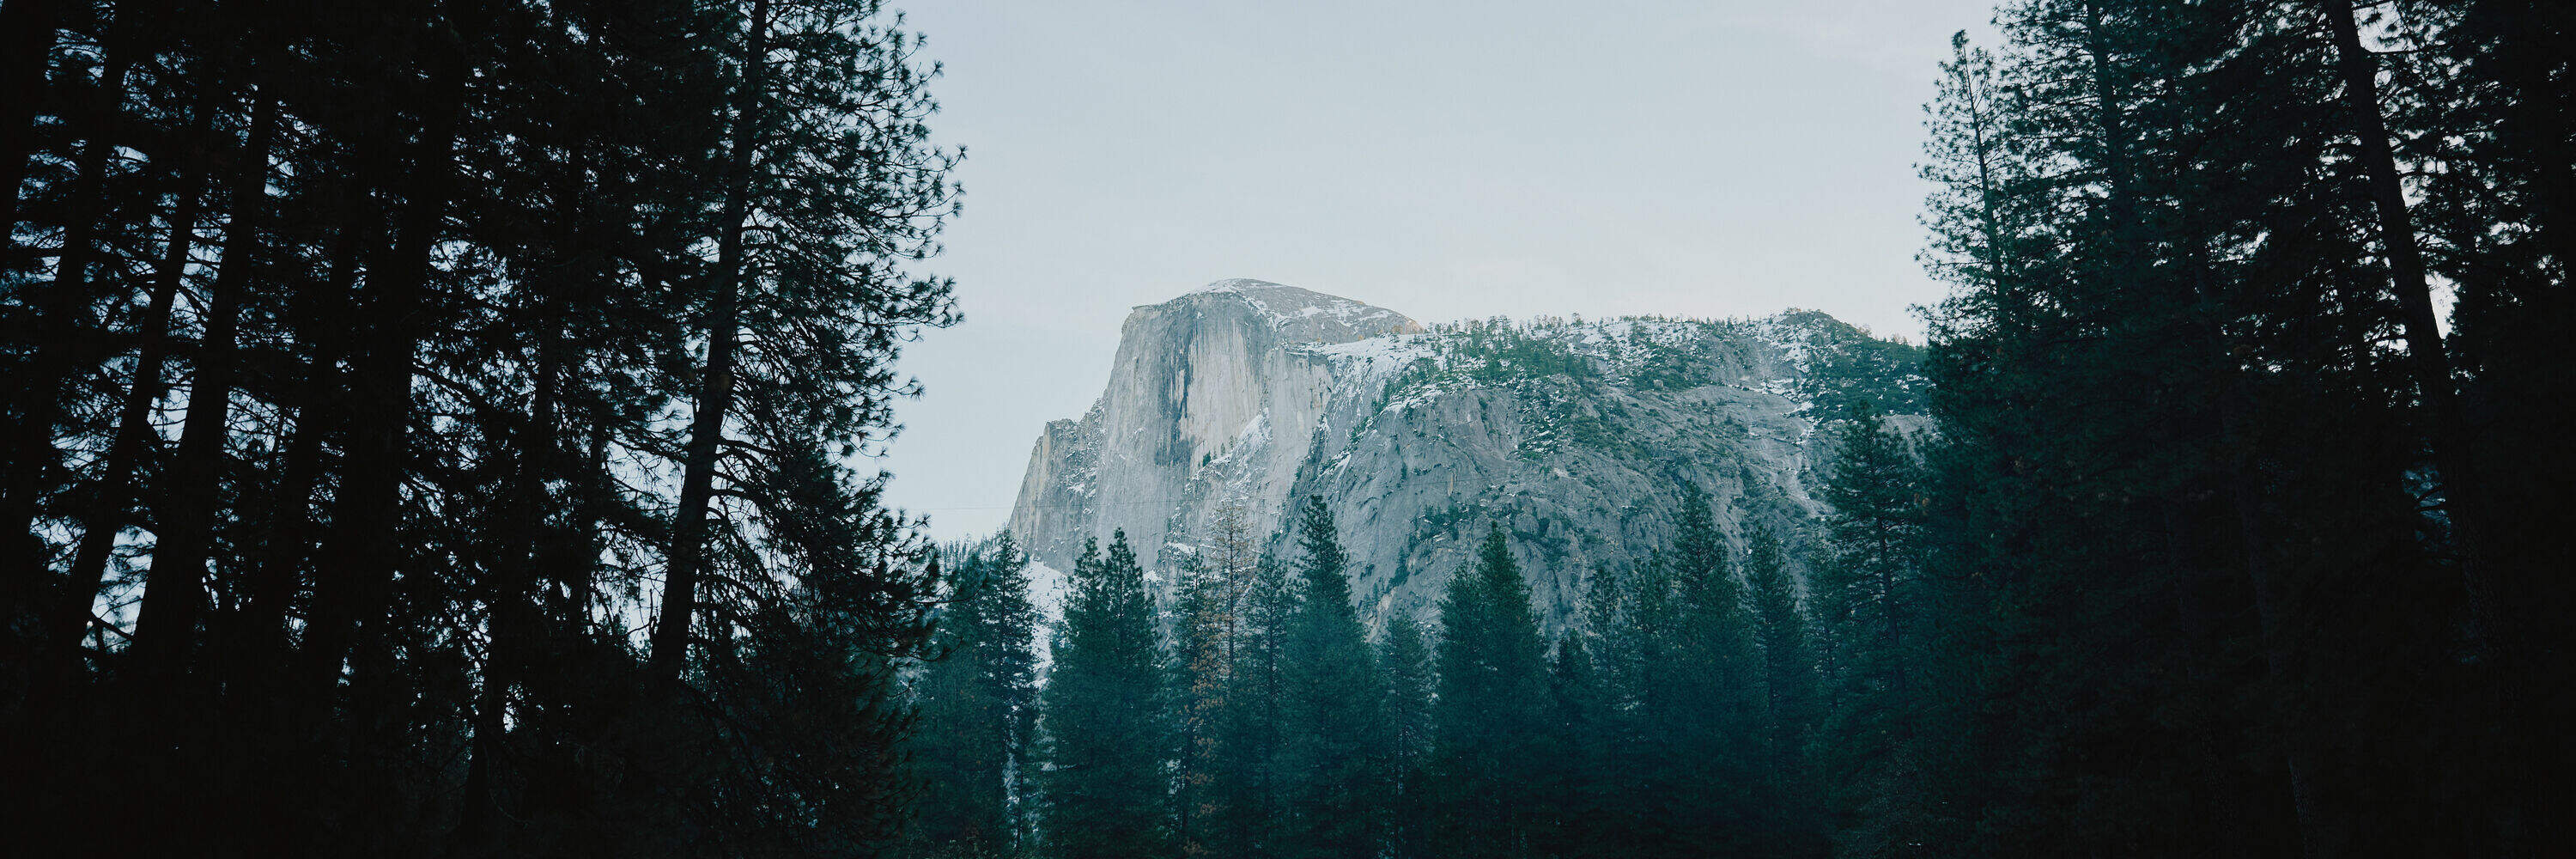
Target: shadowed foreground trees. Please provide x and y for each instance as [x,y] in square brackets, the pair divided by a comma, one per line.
[2216,552]
[379,373]
[426,429]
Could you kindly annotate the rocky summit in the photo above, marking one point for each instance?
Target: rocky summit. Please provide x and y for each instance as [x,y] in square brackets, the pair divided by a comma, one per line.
[1576,436]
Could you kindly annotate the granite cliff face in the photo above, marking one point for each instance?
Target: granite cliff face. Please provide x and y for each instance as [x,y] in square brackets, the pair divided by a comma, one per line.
[1576,436]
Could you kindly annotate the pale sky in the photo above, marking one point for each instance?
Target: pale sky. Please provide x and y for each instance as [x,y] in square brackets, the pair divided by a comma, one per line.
[1447,160]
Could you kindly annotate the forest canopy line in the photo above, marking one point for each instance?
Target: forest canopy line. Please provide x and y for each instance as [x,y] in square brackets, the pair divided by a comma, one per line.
[439,428]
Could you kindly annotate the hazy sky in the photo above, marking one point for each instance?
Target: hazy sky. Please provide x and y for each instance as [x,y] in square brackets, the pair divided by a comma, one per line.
[1447,160]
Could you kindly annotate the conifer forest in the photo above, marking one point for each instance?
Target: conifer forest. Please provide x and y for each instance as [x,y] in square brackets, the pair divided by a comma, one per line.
[444,428]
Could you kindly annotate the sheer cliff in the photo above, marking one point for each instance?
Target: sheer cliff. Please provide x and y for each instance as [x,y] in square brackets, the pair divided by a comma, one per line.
[1576,436]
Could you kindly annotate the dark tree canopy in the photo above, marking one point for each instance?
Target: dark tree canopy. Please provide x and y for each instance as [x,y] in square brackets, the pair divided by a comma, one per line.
[378,375]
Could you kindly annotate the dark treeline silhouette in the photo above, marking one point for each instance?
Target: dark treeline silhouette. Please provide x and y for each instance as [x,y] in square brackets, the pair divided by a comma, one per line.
[430,425]
[2229,546]
[2220,540]
[427,423]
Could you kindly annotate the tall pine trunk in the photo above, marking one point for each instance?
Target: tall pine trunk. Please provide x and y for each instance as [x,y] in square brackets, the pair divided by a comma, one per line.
[2130,249]
[356,574]
[2421,326]
[2271,611]
[27,454]
[513,622]
[113,496]
[574,574]
[716,390]
[173,598]
[271,586]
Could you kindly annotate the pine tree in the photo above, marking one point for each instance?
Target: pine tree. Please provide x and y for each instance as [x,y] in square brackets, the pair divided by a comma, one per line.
[1248,786]
[1874,529]
[1106,738]
[1578,795]
[1225,661]
[977,705]
[1627,627]
[1333,779]
[1868,599]
[1788,690]
[1489,720]
[804,320]
[1404,660]
[1635,615]
[1710,709]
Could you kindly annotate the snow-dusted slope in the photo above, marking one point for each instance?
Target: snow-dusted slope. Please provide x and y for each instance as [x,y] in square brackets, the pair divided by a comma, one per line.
[1575,436]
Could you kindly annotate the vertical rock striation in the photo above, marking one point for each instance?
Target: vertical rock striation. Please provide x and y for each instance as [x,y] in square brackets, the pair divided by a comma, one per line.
[1574,436]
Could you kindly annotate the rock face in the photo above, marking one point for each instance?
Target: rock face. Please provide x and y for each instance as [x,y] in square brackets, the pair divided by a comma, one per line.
[1576,437]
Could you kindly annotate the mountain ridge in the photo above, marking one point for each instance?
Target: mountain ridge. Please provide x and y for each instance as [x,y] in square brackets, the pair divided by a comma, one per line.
[1573,435]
